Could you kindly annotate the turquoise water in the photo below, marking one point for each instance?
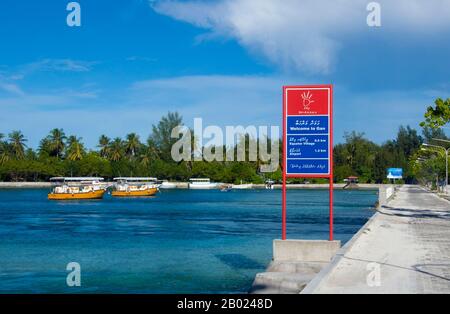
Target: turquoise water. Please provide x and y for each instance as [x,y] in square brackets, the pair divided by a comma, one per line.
[180,241]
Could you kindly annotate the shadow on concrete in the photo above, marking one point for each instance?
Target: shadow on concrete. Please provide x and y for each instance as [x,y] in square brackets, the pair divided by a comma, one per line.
[419,267]
[415,213]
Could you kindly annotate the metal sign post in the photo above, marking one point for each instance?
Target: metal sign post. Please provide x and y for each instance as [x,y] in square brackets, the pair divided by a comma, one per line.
[307,138]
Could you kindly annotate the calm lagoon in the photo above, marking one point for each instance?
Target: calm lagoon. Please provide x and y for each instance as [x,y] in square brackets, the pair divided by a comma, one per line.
[181,241]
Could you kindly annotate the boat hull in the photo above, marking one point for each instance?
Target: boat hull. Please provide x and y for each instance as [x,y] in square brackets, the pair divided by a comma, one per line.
[147,192]
[168,186]
[242,186]
[77,196]
[209,186]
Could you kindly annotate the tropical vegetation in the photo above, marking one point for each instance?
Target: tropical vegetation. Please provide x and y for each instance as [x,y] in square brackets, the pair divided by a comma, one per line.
[60,154]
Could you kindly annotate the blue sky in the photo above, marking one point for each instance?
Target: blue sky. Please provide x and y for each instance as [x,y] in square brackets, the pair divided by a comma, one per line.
[225,61]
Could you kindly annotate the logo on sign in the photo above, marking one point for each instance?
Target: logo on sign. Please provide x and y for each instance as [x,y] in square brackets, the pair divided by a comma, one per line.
[307,100]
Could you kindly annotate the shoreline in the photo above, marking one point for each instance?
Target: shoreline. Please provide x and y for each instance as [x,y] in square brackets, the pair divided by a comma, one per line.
[184,185]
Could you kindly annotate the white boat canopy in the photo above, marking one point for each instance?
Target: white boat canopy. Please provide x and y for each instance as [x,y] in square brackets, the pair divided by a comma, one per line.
[200,179]
[136,179]
[76,179]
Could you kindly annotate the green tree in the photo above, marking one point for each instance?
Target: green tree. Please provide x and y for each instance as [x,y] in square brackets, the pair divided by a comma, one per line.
[56,143]
[437,116]
[428,166]
[104,143]
[430,134]
[17,143]
[5,150]
[75,148]
[408,141]
[148,153]
[116,149]
[358,153]
[132,144]
[161,134]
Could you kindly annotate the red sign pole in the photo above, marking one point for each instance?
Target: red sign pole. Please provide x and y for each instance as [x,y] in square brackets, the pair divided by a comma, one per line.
[331,163]
[283,200]
[331,208]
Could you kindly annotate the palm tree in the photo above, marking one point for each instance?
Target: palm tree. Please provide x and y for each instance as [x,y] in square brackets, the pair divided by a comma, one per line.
[149,152]
[5,153]
[17,141]
[132,144]
[104,144]
[57,142]
[44,147]
[116,149]
[75,149]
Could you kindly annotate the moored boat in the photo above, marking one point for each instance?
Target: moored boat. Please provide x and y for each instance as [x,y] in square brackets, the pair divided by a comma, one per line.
[134,187]
[202,184]
[242,186]
[167,185]
[79,188]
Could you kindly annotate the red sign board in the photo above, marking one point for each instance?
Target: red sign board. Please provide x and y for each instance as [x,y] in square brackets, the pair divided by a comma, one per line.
[308,101]
[308,137]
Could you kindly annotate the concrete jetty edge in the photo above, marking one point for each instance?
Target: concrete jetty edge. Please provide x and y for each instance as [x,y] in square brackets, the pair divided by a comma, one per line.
[386,193]
[402,249]
[326,271]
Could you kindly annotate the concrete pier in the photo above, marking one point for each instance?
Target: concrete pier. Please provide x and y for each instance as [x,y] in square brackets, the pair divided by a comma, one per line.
[294,265]
[404,248]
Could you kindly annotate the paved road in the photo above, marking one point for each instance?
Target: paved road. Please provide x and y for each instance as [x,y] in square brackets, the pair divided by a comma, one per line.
[408,241]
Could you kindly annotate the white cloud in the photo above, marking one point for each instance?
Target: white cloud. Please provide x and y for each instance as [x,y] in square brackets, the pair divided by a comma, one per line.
[11,88]
[44,65]
[9,78]
[218,99]
[61,65]
[304,35]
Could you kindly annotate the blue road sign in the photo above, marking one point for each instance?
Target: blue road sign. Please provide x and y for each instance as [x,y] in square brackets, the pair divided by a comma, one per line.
[395,173]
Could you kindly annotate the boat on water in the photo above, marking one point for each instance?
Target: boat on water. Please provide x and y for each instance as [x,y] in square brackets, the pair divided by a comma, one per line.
[167,185]
[78,188]
[134,187]
[202,184]
[241,186]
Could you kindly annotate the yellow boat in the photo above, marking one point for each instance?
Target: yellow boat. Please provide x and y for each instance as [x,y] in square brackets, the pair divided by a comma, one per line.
[147,192]
[77,188]
[134,187]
